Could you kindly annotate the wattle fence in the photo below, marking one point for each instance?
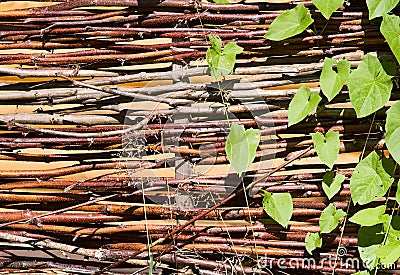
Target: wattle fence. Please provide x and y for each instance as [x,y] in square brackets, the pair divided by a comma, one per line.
[113,133]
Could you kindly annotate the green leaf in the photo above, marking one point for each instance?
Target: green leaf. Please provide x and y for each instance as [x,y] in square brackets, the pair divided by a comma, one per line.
[327,7]
[392,138]
[221,61]
[331,82]
[289,23]
[370,216]
[370,239]
[392,229]
[241,147]
[390,29]
[378,8]
[327,147]
[370,180]
[330,218]
[330,185]
[302,104]
[369,86]
[389,67]
[389,253]
[313,241]
[278,206]
[362,273]
[398,194]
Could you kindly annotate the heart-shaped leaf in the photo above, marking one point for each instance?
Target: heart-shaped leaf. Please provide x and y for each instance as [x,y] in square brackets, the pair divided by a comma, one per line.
[370,180]
[392,138]
[389,253]
[331,82]
[378,8]
[390,29]
[278,206]
[302,104]
[327,7]
[331,185]
[221,61]
[241,147]
[369,86]
[327,147]
[370,216]
[289,23]
[330,218]
[313,241]
[370,239]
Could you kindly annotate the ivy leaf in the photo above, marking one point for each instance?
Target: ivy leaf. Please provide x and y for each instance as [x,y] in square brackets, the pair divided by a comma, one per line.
[241,147]
[331,82]
[394,229]
[302,104]
[392,138]
[327,147]
[221,61]
[370,216]
[278,206]
[370,239]
[369,86]
[398,194]
[330,185]
[389,253]
[327,7]
[313,241]
[330,218]
[390,29]
[289,23]
[370,180]
[378,8]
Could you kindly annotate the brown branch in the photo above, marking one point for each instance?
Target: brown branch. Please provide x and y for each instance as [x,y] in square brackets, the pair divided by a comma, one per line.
[204,213]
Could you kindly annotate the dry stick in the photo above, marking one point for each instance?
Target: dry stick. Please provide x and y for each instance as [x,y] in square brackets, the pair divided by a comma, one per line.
[60,210]
[68,208]
[204,213]
[117,92]
[53,72]
[128,130]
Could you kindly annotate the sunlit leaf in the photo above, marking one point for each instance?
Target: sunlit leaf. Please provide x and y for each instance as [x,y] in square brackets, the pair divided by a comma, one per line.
[369,86]
[327,147]
[221,61]
[389,253]
[241,147]
[330,218]
[390,29]
[278,206]
[370,216]
[289,23]
[302,104]
[370,180]
[331,185]
[327,7]
[392,127]
[370,238]
[331,82]
[313,241]
[378,8]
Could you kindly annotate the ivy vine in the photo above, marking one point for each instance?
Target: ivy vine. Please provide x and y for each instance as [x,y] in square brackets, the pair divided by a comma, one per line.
[370,87]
